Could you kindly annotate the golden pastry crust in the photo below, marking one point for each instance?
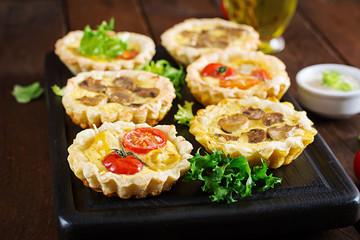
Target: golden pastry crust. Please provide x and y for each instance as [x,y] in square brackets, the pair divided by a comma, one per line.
[188,40]
[66,47]
[207,90]
[87,108]
[147,182]
[277,139]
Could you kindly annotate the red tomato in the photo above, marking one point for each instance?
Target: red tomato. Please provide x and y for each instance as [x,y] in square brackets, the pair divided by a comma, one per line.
[241,83]
[224,10]
[261,74]
[357,165]
[143,140]
[119,165]
[218,70]
[128,54]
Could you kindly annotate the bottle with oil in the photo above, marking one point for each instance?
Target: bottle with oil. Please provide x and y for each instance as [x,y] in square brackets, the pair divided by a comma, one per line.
[269,17]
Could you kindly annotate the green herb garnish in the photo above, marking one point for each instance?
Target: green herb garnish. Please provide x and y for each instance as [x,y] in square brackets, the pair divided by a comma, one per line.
[102,44]
[24,94]
[184,114]
[122,153]
[225,176]
[334,80]
[221,69]
[57,90]
[163,68]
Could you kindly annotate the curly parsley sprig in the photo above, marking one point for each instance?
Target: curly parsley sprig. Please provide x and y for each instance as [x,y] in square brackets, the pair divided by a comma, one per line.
[224,176]
[184,114]
[163,68]
[102,42]
[24,94]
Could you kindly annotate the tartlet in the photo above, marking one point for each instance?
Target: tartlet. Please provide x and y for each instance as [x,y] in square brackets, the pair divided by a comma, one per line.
[255,128]
[67,50]
[92,98]
[188,40]
[245,64]
[91,146]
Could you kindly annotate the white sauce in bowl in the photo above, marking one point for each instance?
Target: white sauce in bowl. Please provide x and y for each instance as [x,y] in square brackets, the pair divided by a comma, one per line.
[316,81]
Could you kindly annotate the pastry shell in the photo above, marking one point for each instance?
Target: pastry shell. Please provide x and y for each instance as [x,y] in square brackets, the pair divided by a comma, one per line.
[125,186]
[150,112]
[276,153]
[211,93]
[185,54]
[78,63]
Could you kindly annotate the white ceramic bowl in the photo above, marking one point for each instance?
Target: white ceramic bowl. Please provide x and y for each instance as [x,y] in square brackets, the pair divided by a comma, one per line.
[331,104]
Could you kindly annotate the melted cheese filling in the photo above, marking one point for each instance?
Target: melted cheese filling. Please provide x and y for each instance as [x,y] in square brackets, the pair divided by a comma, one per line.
[214,128]
[214,32]
[109,139]
[79,92]
[242,67]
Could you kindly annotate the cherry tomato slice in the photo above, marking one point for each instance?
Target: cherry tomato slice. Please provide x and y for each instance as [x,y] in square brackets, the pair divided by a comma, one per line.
[218,70]
[357,165]
[119,165]
[128,54]
[143,140]
[261,74]
[241,83]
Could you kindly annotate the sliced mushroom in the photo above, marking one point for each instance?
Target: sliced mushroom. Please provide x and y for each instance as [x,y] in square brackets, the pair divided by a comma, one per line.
[253,113]
[119,95]
[92,85]
[256,135]
[271,118]
[136,105]
[92,101]
[233,122]
[205,39]
[147,92]
[281,133]
[235,32]
[227,137]
[124,82]
[188,34]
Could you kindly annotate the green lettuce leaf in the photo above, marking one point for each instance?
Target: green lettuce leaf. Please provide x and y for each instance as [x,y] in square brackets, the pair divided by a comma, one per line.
[101,44]
[184,114]
[334,80]
[163,68]
[224,176]
[24,94]
[57,90]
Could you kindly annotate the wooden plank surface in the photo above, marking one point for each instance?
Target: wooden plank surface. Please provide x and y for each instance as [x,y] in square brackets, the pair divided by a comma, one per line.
[127,15]
[27,33]
[341,27]
[321,31]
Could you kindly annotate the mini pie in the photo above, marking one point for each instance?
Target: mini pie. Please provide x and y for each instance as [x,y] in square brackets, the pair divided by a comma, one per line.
[188,40]
[67,50]
[248,68]
[108,96]
[255,128]
[165,164]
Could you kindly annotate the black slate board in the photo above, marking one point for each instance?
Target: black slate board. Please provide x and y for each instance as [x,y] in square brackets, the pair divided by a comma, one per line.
[315,194]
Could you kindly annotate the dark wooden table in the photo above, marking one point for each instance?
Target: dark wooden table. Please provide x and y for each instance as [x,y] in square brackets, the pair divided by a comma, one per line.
[322,31]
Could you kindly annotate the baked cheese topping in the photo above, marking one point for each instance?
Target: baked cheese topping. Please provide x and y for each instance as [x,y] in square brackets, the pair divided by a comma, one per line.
[129,95]
[140,50]
[211,36]
[159,159]
[255,128]
[103,158]
[192,38]
[236,74]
